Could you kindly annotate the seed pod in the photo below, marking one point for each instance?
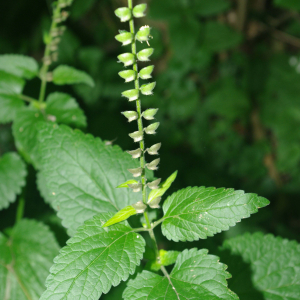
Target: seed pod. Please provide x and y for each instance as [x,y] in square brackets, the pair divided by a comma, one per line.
[125,38]
[139,10]
[135,153]
[130,115]
[137,136]
[150,113]
[154,184]
[147,89]
[151,128]
[128,75]
[143,34]
[136,187]
[155,203]
[136,172]
[153,150]
[140,207]
[127,59]
[131,94]
[144,55]
[124,13]
[145,73]
[153,165]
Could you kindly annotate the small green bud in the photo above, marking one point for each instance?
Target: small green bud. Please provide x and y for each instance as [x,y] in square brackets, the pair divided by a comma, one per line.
[153,149]
[128,75]
[127,59]
[125,38]
[131,94]
[140,207]
[124,13]
[125,184]
[151,128]
[137,136]
[147,89]
[136,172]
[136,187]
[135,153]
[145,73]
[154,184]
[150,113]
[139,10]
[143,34]
[144,55]
[155,203]
[153,165]
[130,115]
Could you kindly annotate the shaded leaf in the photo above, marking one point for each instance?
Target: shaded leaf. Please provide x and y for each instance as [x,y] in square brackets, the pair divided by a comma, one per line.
[121,215]
[208,8]
[9,106]
[10,84]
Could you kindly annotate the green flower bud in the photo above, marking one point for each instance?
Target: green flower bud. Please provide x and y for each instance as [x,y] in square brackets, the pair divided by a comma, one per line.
[125,38]
[136,187]
[151,128]
[130,115]
[153,165]
[140,207]
[125,184]
[128,75]
[137,136]
[136,172]
[143,34]
[135,153]
[127,59]
[124,13]
[155,203]
[147,89]
[139,10]
[154,184]
[153,150]
[132,95]
[144,55]
[145,73]
[150,113]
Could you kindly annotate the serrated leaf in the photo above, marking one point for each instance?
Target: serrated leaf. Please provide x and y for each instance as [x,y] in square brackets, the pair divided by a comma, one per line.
[82,174]
[196,213]
[121,215]
[19,65]
[68,75]
[25,259]
[12,178]
[65,109]
[10,84]
[196,275]
[9,106]
[263,267]
[94,260]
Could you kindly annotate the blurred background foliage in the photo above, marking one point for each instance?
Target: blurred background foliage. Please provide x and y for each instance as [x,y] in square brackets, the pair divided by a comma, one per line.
[228,89]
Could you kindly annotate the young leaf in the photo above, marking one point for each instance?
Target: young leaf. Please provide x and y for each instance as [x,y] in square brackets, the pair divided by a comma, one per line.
[196,213]
[125,184]
[82,174]
[121,215]
[12,178]
[263,266]
[19,65]
[67,75]
[9,106]
[65,110]
[26,256]
[10,84]
[167,258]
[196,275]
[94,260]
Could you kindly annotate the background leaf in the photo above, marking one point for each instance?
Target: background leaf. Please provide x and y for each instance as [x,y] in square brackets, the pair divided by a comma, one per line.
[9,106]
[10,84]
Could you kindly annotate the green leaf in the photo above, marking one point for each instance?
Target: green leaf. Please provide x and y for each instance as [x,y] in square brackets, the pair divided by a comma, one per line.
[167,258]
[10,84]
[196,275]
[290,4]
[67,75]
[121,215]
[125,184]
[94,260]
[196,213]
[65,109]
[82,173]
[25,259]
[12,178]
[207,8]
[9,106]
[19,65]
[263,266]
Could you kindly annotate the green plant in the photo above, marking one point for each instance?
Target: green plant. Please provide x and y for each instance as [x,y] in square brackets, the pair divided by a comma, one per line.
[78,175]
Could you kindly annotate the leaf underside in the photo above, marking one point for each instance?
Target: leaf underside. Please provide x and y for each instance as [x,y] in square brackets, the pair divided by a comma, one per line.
[196,213]
[94,260]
